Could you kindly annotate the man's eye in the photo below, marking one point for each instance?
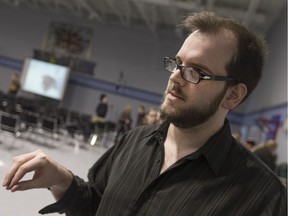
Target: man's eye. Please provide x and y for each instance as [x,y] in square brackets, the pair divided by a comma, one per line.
[199,70]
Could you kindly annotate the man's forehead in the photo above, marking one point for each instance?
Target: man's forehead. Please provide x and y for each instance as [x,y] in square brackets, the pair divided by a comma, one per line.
[223,40]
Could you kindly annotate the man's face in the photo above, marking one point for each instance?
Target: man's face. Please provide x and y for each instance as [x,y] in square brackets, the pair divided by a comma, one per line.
[105,100]
[151,117]
[186,104]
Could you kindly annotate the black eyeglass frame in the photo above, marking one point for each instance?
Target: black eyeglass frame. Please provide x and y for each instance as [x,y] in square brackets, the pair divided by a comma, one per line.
[202,75]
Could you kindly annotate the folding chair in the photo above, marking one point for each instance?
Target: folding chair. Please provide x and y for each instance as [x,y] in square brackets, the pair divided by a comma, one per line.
[49,128]
[31,121]
[9,126]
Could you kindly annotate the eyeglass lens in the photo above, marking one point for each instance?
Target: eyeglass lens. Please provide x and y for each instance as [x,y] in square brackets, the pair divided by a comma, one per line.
[187,73]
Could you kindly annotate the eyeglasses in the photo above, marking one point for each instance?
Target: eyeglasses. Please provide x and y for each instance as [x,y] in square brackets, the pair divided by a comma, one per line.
[191,74]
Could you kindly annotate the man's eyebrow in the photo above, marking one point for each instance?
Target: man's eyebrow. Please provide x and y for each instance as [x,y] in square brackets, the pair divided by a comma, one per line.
[202,67]
[197,65]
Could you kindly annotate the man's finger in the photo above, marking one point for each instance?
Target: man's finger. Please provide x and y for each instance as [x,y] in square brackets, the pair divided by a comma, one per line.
[26,185]
[18,161]
[31,165]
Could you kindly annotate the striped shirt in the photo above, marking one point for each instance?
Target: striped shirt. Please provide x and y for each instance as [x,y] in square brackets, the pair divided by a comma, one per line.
[222,178]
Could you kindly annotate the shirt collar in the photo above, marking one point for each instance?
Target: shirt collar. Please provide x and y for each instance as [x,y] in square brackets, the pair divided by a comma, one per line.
[215,150]
[158,130]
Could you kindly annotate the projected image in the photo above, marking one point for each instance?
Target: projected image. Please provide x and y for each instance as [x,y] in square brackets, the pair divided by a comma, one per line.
[44,78]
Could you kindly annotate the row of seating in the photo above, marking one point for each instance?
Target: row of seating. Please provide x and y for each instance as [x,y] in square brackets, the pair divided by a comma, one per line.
[40,122]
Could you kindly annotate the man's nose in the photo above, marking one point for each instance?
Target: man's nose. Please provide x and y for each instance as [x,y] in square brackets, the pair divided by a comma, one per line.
[176,77]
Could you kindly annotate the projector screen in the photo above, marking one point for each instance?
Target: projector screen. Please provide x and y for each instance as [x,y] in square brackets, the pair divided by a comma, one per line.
[44,78]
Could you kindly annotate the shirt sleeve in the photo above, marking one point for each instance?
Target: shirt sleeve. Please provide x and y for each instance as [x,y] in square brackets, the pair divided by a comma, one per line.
[76,201]
[83,198]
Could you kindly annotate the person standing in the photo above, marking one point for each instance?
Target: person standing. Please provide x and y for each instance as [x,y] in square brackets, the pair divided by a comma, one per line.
[102,107]
[150,117]
[266,152]
[124,123]
[188,165]
[14,84]
[140,115]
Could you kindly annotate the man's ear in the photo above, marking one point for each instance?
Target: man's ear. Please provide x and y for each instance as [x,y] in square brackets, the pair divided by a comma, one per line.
[234,96]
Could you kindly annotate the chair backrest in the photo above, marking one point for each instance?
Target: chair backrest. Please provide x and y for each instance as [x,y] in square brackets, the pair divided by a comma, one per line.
[9,122]
[31,119]
[49,124]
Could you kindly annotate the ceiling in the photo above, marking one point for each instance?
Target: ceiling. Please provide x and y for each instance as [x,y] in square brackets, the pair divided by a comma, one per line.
[159,14]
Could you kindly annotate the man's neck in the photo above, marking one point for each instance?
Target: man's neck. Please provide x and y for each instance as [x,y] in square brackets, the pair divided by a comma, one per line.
[181,142]
[194,137]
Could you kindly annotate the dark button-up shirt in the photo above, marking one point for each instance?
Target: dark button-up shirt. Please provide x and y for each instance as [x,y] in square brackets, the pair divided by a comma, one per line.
[222,178]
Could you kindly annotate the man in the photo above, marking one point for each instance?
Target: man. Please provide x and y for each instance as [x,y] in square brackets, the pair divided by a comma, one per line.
[267,153]
[190,164]
[150,117]
[102,107]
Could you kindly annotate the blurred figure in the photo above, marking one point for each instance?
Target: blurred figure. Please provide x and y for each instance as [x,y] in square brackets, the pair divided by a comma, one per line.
[249,143]
[150,117]
[102,107]
[237,135]
[141,115]
[14,84]
[266,152]
[281,171]
[124,122]
[159,119]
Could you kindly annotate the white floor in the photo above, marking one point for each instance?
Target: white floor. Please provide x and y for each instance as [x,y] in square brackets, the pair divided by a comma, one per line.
[28,203]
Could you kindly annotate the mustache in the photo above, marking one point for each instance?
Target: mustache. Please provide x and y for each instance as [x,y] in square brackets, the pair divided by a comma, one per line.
[176,89]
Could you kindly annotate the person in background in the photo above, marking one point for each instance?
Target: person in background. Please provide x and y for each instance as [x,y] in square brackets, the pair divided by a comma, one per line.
[159,118]
[14,84]
[281,171]
[188,165]
[102,107]
[124,123]
[249,143]
[150,117]
[141,115]
[237,135]
[266,152]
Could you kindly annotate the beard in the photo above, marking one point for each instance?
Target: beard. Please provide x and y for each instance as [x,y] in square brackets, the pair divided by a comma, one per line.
[191,115]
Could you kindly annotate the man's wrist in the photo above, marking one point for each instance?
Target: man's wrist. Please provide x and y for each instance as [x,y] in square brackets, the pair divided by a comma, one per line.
[59,190]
